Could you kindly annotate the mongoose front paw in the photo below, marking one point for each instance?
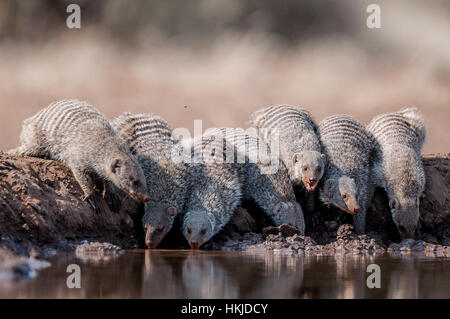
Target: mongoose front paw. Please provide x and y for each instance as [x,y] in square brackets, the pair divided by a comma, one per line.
[316,220]
[94,202]
[114,203]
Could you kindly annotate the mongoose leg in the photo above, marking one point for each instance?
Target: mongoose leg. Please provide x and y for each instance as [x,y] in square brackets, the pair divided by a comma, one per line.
[316,219]
[87,186]
[111,192]
[359,221]
[94,201]
[310,201]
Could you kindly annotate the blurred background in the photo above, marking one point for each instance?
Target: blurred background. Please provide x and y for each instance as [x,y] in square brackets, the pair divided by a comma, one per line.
[220,60]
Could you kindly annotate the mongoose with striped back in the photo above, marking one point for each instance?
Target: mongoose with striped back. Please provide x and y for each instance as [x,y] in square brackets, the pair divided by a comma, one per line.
[151,140]
[214,189]
[399,138]
[264,178]
[77,135]
[346,183]
[299,144]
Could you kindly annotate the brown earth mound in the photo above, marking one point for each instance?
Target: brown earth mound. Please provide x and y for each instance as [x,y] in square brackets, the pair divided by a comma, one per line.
[41,209]
[41,206]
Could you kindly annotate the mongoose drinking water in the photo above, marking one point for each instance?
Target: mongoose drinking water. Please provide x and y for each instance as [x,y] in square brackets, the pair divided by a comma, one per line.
[151,140]
[214,193]
[270,189]
[346,182]
[299,144]
[399,138]
[76,134]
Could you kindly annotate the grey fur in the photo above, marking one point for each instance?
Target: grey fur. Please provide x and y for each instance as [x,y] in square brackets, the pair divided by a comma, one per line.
[399,138]
[215,190]
[346,182]
[76,134]
[151,140]
[300,148]
[270,190]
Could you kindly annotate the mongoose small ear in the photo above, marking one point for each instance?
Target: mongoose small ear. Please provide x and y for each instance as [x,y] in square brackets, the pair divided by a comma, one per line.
[172,211]
[393,203]
[115,166]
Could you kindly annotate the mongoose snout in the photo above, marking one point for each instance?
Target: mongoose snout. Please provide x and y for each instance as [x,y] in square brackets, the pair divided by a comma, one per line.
[405,214]
[198,228]
[309,167]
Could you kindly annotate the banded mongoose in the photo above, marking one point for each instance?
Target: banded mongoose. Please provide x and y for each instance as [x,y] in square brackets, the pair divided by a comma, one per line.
[399,138]
[299,144]
[151,140]
[346,182]
[215,190]
[76,134]
[270,189]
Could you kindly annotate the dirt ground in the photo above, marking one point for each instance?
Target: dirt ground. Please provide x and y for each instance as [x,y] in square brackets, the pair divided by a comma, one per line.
[41,212]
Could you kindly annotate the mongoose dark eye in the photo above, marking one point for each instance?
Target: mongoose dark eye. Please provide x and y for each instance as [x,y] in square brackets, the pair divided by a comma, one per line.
[305,168]
[318,169]
[189,231]
[401,229]
[160,229]
[344,196]
[136,183]
[203,231]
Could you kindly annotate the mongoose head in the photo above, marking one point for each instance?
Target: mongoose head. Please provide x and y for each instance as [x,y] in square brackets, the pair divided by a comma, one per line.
[309,167]
[405,183]
[341,193]
[198,227]
[157,221]
[127,174]
[405,214]
[289,213]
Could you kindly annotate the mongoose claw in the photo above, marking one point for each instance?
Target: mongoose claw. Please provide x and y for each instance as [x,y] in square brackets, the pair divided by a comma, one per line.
[316,219]
[115,203]
[93,201]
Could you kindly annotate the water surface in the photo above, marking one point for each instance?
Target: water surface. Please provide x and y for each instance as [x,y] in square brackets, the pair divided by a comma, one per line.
[206,274]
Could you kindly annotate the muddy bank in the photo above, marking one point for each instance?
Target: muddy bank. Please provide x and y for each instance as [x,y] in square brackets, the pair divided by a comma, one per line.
[41,210]
[41,213]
